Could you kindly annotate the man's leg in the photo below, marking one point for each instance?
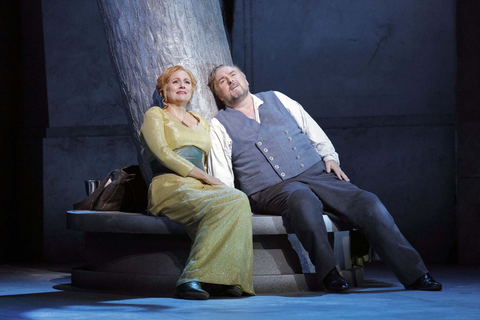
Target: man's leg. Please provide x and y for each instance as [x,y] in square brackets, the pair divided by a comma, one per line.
[365,212]
[303,210]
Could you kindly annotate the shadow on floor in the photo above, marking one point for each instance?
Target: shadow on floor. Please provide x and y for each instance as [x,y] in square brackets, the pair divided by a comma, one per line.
[71,303]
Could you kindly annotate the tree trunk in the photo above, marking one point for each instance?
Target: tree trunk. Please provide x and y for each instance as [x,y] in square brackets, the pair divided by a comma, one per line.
[146,37]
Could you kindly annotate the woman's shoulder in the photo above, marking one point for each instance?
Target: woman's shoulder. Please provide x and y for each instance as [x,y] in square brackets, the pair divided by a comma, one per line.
[152,117]
[155,111]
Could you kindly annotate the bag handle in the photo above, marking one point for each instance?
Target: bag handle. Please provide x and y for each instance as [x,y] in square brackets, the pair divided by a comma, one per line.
[117,185]
[86,204]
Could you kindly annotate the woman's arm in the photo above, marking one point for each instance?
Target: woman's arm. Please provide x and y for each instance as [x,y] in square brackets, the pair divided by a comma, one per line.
[205,177]
[153,133]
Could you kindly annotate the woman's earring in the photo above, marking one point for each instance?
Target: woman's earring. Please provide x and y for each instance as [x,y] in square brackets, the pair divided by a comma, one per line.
[190,101]
[164,101]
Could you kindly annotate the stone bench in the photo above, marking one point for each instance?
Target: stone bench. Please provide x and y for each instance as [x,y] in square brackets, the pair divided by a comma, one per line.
[135,253]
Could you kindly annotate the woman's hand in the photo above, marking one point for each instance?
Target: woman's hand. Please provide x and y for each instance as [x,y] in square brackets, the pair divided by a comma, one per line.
[213,181]
[201,175]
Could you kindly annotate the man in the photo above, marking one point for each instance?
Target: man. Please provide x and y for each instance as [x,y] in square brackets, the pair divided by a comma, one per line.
[270,148]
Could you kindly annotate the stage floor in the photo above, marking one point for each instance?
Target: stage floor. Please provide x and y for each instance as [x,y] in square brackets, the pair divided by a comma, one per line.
[43,292]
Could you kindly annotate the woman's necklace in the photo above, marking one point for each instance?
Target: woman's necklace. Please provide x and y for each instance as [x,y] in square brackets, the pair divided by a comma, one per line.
[181,120]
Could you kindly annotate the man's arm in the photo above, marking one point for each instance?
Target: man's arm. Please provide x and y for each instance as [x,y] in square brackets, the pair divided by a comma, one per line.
[220,156]
[315,134]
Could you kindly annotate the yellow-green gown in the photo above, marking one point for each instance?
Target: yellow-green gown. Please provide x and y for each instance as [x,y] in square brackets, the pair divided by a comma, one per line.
[217,218]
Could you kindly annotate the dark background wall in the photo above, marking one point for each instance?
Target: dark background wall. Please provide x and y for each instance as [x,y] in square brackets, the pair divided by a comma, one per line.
[23,121]
[378,76]
[87,136]
[468,131]
[11,90]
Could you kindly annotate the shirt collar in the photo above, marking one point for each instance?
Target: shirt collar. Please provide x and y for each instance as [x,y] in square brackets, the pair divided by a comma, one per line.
[257,102]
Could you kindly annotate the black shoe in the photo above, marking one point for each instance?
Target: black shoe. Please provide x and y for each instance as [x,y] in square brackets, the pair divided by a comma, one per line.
[232,291]
[191,290]
[334,282]
[425,283]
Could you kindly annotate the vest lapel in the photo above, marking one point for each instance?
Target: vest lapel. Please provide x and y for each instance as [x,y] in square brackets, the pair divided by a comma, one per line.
[267,121]
[248,125]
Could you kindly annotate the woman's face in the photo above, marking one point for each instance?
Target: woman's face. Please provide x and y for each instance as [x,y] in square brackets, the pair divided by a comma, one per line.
[179,88]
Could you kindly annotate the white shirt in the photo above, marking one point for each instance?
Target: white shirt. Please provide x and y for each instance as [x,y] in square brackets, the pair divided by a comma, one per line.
[220,157]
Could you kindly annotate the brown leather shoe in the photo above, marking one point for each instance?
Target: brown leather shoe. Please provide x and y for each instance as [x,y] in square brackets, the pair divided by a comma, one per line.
[425,283]
[191,291]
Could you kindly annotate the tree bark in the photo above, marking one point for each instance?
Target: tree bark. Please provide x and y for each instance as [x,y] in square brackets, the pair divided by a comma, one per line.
[146,37]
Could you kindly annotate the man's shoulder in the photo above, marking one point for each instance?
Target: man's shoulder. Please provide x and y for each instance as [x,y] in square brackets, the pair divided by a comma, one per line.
[221,111]
[264,94]
[219,114]
[272,94]
[269,92]
[216,125]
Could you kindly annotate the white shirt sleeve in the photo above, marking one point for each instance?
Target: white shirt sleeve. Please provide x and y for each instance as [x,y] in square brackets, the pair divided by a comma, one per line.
[220,157]
[310,128]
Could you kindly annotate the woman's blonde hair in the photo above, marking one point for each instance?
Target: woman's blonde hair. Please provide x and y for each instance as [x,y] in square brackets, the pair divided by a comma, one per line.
[163,80]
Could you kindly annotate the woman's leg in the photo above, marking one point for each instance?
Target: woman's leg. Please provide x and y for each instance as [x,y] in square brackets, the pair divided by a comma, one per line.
[219,221]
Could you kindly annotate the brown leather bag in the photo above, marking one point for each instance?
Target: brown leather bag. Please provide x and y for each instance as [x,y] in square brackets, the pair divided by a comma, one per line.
[127,191]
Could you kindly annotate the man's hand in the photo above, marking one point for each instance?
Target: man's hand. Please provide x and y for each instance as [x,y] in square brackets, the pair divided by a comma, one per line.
[333,165]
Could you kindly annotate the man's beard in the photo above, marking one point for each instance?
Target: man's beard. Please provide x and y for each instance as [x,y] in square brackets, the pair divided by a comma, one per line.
[233,99]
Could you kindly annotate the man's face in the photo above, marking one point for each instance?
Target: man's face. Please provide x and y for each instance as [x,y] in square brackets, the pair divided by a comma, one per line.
[231,85]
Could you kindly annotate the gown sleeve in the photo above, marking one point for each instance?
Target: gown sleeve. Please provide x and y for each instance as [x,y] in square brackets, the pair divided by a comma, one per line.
[153,133]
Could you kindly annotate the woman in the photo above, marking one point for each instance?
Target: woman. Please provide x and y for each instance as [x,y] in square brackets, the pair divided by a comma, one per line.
[217,218]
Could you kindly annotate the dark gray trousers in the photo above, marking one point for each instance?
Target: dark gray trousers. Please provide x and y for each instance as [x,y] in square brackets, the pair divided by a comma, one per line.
[301,201]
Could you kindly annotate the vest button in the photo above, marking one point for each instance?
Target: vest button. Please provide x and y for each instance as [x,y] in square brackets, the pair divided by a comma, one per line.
[294,148]
[301,165]
[289,138]
[259,143]
[282,174]
[298,157]
[276,166]
[286,132]
[265,150]
[271,158]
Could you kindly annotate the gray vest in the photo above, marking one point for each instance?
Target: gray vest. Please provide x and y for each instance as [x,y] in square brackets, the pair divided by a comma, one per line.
[266,153]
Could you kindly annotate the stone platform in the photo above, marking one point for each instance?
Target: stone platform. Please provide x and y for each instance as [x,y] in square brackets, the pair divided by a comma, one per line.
[135,253]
